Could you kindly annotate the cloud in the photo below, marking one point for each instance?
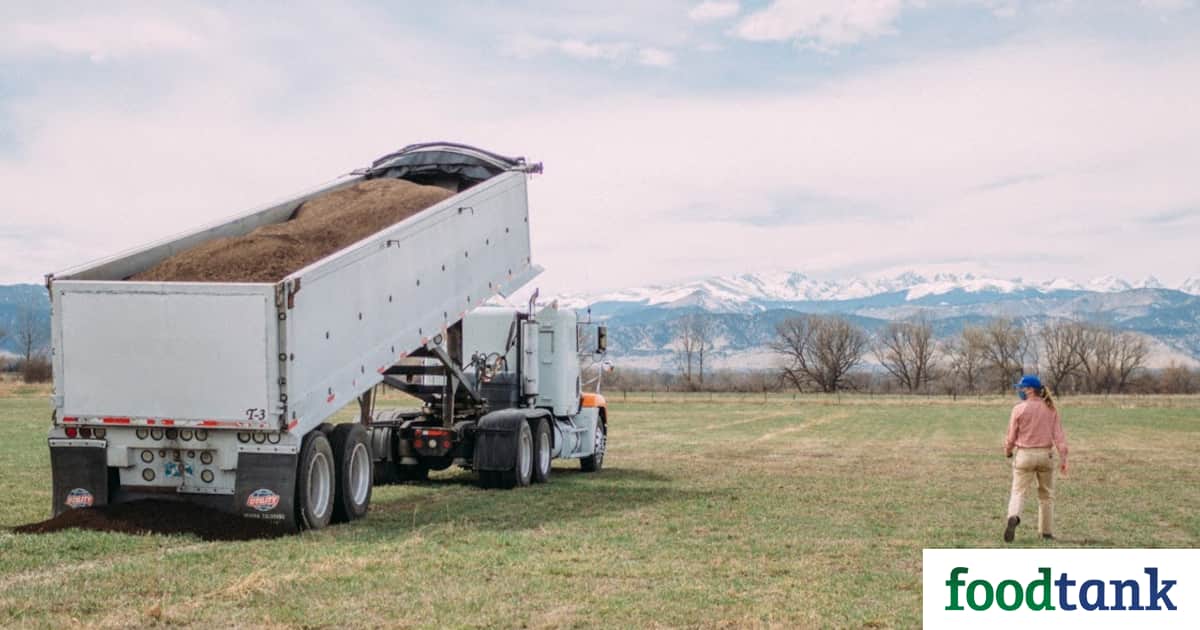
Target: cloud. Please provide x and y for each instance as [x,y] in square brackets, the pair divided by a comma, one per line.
[655,57]
[1167,5]
[100,37]
[927,158]
[590,50]
[1173,217]
[619,51]
[714,10]
[824,24]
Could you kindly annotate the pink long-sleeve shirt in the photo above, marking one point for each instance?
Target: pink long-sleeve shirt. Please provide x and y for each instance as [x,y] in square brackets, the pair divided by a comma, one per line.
[1035,425]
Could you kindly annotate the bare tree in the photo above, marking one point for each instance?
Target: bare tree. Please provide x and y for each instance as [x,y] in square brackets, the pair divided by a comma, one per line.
[685,350]
[1063,344]
[1005,346]
[1109,358]
[966,357]
[906,351]
[29,334]
[693,341]
[1132,351]
[1178,379]
[819,351]
[702,334]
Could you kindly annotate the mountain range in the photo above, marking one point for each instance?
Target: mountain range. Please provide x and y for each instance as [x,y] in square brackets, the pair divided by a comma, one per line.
[745,309]
[760,291]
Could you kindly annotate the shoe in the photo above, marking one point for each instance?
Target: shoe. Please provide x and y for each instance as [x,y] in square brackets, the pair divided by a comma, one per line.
[1011,530]
[1047,536]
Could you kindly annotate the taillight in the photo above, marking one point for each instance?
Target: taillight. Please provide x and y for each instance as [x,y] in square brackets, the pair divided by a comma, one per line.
[85,432]
[71,432]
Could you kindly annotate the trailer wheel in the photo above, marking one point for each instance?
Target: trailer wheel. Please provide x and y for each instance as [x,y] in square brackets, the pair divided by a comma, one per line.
[521,473]
[541,451]
[595,461]
[314,482]
[352,459]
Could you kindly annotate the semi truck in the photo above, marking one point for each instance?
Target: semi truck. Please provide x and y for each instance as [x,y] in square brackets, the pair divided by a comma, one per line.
[221,393]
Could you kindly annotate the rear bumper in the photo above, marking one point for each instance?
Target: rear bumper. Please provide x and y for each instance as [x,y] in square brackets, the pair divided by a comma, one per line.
[265,489]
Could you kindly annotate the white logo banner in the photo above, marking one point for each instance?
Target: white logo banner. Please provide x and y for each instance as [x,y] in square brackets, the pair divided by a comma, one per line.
[1061,588]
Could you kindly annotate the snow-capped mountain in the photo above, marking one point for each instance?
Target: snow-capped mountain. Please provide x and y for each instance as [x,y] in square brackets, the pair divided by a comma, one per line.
[760,291]
[1108,284]
[747,307]
[1191,286]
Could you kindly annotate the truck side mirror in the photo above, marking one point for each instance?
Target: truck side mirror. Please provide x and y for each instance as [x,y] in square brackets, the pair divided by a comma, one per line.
[602,339]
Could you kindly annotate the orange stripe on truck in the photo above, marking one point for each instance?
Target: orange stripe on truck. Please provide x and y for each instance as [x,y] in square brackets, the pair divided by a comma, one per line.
[594,400]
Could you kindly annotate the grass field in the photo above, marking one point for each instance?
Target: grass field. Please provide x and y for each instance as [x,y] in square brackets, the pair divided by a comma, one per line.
[727,512]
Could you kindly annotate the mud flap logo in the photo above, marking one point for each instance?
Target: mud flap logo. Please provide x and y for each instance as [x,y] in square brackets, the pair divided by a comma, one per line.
[262,500]
[80,498]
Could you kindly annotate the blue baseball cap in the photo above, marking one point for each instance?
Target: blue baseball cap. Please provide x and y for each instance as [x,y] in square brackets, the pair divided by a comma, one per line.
[1029,380]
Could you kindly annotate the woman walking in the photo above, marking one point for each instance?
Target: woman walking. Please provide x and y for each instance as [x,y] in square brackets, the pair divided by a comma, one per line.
[1034,431]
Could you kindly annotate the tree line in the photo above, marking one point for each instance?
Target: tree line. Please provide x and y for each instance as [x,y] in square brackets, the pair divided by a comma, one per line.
[31,338]
[829,353]
[1072,357]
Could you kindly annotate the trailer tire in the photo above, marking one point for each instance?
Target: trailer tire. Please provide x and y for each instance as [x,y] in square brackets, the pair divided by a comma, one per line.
[595,461]
[352,459]
[541,450]
[521,474]
[315,478]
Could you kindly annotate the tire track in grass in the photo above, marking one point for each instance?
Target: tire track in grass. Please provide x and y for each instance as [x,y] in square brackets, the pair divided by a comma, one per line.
[803,426]
[761,418]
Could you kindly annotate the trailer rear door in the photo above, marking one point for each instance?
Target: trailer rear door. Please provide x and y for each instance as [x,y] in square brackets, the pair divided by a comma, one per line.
[185,352]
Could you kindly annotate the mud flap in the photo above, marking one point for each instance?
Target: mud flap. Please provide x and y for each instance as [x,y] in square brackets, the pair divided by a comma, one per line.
[495,440]
[80,474]
[266,488]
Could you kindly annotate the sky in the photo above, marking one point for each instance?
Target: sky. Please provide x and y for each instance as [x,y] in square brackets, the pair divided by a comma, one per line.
[680,139]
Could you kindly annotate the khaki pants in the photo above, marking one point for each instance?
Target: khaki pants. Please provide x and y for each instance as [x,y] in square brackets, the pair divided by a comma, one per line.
[1030,464]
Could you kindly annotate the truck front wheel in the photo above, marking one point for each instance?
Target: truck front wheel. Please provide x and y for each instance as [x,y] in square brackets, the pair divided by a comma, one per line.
[314,482]
[595,461]
[521,473]
[541,451]
[352,459]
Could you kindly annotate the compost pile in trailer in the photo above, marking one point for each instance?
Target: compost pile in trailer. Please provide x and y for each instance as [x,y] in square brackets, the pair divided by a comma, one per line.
[157,517]
[320,227]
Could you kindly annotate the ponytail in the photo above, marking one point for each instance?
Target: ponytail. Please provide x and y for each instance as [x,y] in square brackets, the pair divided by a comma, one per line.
[1046,396]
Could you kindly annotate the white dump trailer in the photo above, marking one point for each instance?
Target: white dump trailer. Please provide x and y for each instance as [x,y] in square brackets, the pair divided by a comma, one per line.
[219,393]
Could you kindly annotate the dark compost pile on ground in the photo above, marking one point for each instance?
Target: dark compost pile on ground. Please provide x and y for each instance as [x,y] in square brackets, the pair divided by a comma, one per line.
[157,517]
[320,227]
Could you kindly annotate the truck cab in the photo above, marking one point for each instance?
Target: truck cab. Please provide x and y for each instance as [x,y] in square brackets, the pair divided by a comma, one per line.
[527,367]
